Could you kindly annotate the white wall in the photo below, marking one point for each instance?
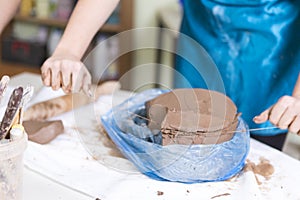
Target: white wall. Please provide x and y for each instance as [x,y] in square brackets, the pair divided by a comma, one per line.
[145,16]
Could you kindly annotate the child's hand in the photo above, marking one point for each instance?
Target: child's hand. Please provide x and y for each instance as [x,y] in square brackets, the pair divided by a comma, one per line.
[70,74]
[285,114]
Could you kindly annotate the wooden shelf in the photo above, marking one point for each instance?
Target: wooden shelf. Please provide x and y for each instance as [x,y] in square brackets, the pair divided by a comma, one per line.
[114,28]
[41,21]
[11,69]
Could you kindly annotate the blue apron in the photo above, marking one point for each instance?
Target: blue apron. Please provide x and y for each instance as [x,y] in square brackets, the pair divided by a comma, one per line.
[255,45]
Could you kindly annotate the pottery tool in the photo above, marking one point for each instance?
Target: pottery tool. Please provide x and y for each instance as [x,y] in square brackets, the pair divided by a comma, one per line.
[11,111]
[27,94]
[264,128]
[16,132]
[3,85]
[17,128]
[255,129]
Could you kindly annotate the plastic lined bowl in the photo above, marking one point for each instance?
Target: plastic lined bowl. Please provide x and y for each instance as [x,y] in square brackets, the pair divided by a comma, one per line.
[179,163]
[11,168]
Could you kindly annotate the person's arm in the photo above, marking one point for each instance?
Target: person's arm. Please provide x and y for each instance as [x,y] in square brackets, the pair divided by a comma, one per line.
[64,68]
[285,113]
[7,11]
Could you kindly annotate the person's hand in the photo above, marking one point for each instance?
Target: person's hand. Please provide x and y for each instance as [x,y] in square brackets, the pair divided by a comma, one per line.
[285,114]
[67,73]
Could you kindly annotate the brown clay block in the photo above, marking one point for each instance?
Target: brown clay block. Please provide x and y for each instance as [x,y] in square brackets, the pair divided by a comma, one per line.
[43,132]
[192,116]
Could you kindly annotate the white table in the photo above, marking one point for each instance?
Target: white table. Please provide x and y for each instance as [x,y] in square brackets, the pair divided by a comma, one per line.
[37,187]
[70,172]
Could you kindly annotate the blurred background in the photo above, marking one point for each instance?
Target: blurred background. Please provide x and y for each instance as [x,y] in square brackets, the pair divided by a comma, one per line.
[34,32]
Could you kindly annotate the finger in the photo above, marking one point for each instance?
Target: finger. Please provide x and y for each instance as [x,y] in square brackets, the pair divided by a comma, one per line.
[295,125]
[263,117]
[287,118]
[66,84]
[77,78]
[65,79]
[87,85]
[66,89]
[55,77]
[46,76]
[67,72]
[296,90]
[279,108]
[76,82]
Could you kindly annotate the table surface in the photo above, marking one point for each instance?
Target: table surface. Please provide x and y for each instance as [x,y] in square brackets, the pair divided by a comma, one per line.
[37,187]
[47,184]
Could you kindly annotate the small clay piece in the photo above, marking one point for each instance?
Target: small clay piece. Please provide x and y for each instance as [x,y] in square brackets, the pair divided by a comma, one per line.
[220,195]
[192,116]
[264,168]
[43,132]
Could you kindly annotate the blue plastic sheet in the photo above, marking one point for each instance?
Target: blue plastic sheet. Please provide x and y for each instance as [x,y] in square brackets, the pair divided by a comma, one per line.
[180,163]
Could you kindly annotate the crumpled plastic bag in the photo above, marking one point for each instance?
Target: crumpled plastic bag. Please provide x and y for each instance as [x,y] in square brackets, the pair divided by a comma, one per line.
[179,163]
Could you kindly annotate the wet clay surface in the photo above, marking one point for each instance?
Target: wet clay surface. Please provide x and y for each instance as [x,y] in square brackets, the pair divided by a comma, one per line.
[195,114]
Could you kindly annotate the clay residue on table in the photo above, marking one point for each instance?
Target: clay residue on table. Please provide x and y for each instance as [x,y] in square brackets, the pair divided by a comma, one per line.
[107,142]
[263,168]
[101,138]
[220,195]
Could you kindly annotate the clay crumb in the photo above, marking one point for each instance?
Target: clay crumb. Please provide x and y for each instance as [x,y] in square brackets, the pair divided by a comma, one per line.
[220,195]
[263,168]
[159,193]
